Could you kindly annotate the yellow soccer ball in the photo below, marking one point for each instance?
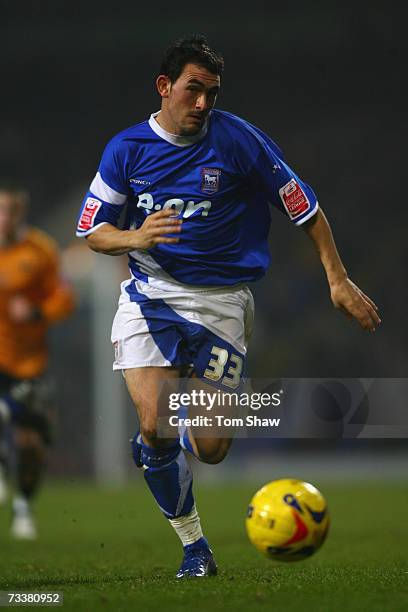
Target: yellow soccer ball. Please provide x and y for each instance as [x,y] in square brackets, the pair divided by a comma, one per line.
[287,520]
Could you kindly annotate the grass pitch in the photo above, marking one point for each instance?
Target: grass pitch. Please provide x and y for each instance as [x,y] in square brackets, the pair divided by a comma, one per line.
[112,550]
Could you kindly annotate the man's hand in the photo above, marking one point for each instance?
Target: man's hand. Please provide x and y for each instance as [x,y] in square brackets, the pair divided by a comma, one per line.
[345,294]
[20,309]
[154,230]
[155,227]
[355,304]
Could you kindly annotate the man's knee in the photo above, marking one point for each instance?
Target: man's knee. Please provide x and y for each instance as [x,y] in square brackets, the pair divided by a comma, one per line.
[151,437]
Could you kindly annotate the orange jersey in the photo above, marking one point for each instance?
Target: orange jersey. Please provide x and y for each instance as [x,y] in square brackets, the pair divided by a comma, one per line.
[29,268]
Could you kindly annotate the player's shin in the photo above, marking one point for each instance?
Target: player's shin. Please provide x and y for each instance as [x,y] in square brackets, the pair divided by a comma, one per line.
[170,480]
[186,441]
[3,469]
[185,436]
[30,467]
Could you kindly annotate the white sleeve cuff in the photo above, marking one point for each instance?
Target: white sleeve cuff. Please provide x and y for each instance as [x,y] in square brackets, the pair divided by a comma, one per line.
[80,234]
[309,215]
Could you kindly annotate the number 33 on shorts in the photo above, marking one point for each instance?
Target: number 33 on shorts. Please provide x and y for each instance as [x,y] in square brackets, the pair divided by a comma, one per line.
[216,366]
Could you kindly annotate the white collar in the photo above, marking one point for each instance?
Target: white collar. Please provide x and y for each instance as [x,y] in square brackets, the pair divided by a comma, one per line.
[179,141]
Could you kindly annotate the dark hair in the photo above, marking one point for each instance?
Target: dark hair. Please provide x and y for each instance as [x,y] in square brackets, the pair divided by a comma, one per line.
[14,187]
[191,49]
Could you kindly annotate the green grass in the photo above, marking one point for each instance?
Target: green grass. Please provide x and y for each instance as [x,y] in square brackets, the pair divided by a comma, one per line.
[112,550]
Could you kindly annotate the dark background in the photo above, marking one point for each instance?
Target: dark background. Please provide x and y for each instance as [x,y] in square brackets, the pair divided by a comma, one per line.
[326,80]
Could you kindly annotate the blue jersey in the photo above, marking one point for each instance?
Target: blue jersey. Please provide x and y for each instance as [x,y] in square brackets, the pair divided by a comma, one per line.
[221,181]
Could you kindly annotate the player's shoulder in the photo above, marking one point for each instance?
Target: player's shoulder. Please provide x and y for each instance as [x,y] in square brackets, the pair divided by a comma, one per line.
[41,241]
[128,138]
[241,132]
[231,123]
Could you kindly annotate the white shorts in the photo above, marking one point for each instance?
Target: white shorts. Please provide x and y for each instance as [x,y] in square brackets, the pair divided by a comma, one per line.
[175,325]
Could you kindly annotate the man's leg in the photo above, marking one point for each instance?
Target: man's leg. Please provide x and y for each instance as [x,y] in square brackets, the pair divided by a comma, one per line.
[5,415]
[167,472]
[30,461]
[211,450]
[205,449]
[32,419]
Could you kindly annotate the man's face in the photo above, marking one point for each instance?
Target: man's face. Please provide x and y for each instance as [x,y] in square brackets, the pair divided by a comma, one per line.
[12,208]
[190,98]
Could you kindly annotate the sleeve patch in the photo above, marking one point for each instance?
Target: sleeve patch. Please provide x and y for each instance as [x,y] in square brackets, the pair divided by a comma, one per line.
[88,214]
[294,199]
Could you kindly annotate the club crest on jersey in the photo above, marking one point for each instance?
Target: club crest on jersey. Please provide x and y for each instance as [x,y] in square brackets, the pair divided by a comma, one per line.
[89,211]
[210,179]
[294,199]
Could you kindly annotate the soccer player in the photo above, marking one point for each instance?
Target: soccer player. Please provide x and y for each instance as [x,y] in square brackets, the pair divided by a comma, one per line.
[32,297]
[198,184]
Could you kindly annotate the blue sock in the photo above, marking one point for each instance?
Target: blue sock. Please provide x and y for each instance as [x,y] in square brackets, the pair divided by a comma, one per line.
[10,408]
[185,442]
[136,444]
[169,478]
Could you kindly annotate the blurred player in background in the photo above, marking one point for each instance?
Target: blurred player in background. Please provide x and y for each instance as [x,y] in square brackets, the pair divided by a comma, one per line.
[32,297]
[198,184]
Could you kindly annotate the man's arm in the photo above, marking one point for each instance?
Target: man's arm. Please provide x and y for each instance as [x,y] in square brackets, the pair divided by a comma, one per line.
[113,241]
[54,299]
[344,293]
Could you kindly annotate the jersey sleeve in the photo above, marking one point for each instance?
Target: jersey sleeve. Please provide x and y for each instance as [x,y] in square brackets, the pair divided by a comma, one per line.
[268,172]
[107,193]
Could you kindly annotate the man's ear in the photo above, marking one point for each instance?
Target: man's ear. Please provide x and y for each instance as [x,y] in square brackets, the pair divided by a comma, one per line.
[163,85]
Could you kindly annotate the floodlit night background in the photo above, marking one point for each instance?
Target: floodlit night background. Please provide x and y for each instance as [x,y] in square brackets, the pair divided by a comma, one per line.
[325,81]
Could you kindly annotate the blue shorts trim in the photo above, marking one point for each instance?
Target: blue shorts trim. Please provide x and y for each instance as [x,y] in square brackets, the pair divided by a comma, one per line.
[181,342]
